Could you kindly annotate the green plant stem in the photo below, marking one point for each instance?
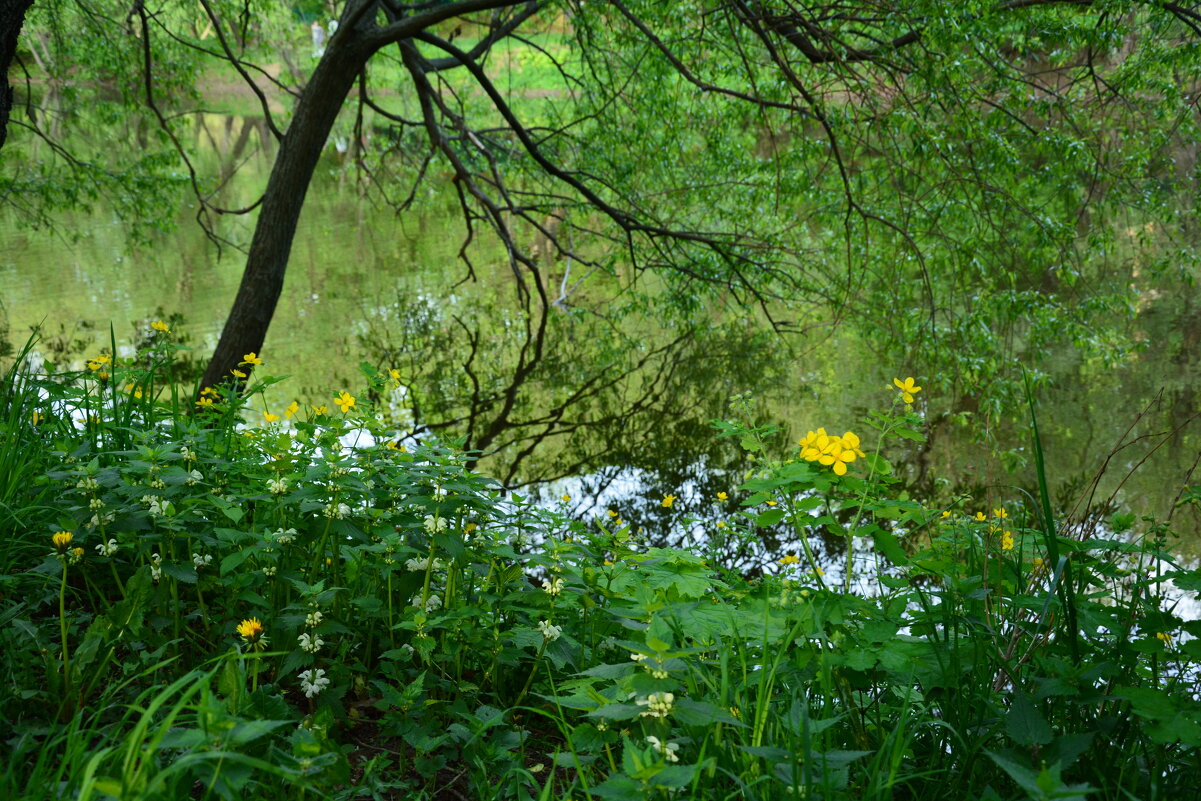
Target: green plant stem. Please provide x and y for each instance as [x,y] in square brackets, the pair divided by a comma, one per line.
[62,628]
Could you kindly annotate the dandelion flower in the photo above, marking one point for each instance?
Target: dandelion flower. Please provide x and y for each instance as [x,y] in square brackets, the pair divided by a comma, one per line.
[252,633]
[62,540]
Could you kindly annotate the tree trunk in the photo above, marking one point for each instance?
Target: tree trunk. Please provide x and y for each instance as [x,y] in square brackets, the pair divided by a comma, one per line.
[299,151]
[12,17]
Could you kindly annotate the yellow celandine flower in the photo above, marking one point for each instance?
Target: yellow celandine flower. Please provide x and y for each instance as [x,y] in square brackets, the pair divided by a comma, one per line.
[789,559]
[236,373]
[980,518]
[1006,540]
[668,500]
[565,497]
[907,387]
[322,409]
[1001,513]
[721,496]
[344,401]
[1164,637]
[771,502]
[159,325]
[134,390]
[99,361]
[395,374]
[252,359]
[37,417]
[612,513]
[204,402]
[292,409]
[62,540]
[271,418]
[946,514]
[250,629]
[721,524]
[832,451]
[1038,562]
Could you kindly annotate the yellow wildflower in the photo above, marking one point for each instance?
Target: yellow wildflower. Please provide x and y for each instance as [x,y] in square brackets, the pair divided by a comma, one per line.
[946,514]
[789,559]
[159,325]
[907,387]
[202,402]
[252,359]
[250,629]
[1007,540]
[1001,513]
[62,540]
[37,417]
[721,496]
[271,418]
[1164,637]
[612,513]
[292,409]
[345,401]
[565,498]
[236,373]
[980,518]
[99,361]
[668,500]
[322,409]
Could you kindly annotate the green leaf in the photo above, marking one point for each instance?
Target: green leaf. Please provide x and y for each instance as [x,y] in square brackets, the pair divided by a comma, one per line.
[769,518]
[1026,724]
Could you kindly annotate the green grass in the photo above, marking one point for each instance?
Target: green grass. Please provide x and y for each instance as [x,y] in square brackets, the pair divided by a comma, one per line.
[425,637]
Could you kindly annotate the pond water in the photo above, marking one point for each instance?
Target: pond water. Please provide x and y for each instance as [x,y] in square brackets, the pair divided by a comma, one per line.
[367,284]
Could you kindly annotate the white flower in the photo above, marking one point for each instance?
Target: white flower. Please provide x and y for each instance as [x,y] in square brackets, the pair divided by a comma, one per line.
[418,565]
[107,548]
[313,682]
[339,510]
[312,620]
[658,705]
[310,644]
[549,632]
[431,603]
[665,750]
[637,657]
[157,484]
[520,539]
[95,504]
[156,566]
[285,537]
[88,483]
[408,649]
[202,561]
[277,486]
[270,570]
[154,505]
[434,524]
[439,493]
[194,477]
[553,586]
[187,453]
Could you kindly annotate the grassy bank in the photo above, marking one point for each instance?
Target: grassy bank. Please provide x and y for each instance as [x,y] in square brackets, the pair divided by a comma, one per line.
[214,599]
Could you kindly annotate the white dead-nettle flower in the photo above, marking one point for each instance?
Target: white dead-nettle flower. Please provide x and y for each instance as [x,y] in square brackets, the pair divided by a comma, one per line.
[439,493]
[658,705]
[95,504]
[187,453]
[87,483]
[552,586]
[107,548]
[419,565]
[432,603]
[520,539]
[310,643]
[337,510]
[102,519]
[202,561]
[157,484]
[313,682]
[277,486]
[312,620]
[434,524]
[369,483]
[549,632]
[637,657]
[156,566]
[270,570]
[154,505]
[664,749]
[194,478]
[285,537]
[408,649]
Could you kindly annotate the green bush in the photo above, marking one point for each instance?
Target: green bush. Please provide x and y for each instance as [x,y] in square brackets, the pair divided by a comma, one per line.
[196,606]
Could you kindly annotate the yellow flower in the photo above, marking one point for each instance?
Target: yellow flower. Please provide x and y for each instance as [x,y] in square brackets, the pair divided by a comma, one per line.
[721,524]
[250,629]
[159,325]
[236,373]
[292,409]
[252,359]
[1001,513]
[980,518]
[322,409]
[470,528]
[1007,540]
[1038,562]
[62,540]
[789,559]
[771,503]
[721,496]
[907,387]
[99,361]
[37,417]
[344,401]
[565,497]
[612,513]
[395,374]
[134,390]
[1164,637]
[202,402]
[271,418]
[668,500]
[946,514]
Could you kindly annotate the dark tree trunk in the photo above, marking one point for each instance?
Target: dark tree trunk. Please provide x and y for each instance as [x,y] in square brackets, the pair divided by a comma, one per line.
[12,17]
[299,152]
